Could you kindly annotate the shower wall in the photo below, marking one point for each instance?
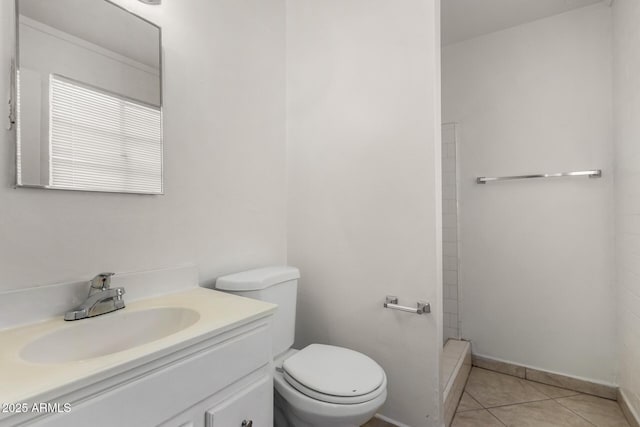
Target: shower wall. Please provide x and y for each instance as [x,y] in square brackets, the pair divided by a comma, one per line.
[450,231]
[536,256]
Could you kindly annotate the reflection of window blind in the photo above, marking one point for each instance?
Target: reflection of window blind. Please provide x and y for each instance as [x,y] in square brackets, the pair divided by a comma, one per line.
[103,142]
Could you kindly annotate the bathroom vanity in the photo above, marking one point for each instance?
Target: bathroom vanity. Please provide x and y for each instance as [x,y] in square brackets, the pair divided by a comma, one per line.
[193,358]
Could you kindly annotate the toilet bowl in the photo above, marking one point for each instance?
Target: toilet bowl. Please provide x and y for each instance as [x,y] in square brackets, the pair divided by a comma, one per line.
[319,385]
[304,404]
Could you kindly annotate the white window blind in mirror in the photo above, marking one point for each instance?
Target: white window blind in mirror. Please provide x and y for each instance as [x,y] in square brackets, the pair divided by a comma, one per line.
[102,141]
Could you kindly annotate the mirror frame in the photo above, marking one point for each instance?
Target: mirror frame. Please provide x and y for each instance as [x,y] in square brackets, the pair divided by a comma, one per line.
[13,107]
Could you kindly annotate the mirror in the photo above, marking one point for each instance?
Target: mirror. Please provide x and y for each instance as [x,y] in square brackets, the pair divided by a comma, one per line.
[89,97]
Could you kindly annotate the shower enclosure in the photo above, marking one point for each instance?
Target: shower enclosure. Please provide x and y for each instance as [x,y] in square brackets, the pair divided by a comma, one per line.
[450,235]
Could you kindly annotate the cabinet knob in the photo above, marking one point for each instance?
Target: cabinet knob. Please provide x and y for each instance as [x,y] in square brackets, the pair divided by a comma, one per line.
[246,423]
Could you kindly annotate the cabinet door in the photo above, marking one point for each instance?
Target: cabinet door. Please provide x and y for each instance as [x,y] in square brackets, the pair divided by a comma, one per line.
[189,418]
[252,407]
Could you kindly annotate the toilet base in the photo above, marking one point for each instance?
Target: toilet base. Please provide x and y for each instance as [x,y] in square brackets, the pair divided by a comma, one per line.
[287,416]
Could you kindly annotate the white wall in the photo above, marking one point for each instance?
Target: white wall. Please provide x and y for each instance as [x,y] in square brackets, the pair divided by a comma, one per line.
[536,257]
[364,186]
[626,14]
[224,207]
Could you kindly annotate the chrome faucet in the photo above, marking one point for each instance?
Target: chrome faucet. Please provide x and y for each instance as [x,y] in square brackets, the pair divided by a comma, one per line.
[101,299]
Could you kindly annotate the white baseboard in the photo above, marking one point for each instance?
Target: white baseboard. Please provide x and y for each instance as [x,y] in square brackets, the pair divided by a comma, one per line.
[391,421]
[629,412]
[583,385]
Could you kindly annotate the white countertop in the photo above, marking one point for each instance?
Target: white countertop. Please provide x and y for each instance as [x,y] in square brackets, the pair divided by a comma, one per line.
[22,381]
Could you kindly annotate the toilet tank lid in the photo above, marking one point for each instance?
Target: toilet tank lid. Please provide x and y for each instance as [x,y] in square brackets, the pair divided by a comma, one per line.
[260,278]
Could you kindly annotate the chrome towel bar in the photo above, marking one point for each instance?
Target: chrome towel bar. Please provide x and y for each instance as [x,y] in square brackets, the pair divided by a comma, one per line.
[421,307]
[595,173]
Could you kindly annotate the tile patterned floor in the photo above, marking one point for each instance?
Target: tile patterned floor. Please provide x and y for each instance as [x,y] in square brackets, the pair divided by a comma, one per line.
[493,399]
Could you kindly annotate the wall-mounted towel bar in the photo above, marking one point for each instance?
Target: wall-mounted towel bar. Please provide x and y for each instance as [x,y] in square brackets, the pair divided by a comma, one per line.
[421,307]
[595,173]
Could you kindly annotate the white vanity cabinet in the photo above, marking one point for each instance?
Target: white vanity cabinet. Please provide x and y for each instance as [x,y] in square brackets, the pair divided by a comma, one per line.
[251,406]
[222,381]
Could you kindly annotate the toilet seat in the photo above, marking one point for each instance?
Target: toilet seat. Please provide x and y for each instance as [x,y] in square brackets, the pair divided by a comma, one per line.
[334,374]
[319,413]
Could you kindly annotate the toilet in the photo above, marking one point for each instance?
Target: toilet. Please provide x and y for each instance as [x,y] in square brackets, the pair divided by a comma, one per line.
[319,385]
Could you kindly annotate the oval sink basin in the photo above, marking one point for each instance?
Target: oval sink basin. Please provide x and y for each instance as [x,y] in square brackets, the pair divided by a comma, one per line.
[108,334]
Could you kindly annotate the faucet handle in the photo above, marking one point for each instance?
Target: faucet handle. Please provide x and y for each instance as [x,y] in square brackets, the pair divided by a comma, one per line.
[102,281]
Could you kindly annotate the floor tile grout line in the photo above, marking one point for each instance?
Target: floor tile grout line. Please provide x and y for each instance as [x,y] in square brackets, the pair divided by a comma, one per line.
[539,382]
[562,388]
[516,404]
[525,381]
[526,378]
[531,384]
[508,404]
[557,399]
[472,398]
[496,417]
[546,400]
[498,372]
[574,412]
[481,410]
[577,393]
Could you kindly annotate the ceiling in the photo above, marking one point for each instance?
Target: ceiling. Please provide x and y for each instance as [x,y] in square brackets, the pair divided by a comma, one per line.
[465,19]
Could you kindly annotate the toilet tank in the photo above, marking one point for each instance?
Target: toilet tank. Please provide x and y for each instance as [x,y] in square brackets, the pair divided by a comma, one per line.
[277,285]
